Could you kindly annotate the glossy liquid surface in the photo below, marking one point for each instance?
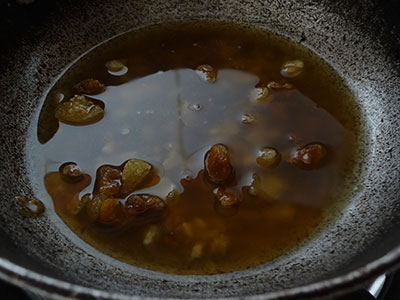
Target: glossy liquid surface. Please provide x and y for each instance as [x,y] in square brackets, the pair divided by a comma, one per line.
[163,112]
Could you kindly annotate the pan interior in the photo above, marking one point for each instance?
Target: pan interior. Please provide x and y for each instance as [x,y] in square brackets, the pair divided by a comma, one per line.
[350,36]
[162,112]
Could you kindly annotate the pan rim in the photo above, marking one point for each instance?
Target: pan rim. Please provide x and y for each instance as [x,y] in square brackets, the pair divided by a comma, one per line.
[48,286]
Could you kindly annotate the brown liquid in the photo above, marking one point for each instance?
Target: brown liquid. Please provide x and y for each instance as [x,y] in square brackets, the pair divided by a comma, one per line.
[161,112]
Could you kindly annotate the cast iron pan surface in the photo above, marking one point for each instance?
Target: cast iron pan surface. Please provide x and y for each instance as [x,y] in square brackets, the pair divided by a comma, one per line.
[357,38]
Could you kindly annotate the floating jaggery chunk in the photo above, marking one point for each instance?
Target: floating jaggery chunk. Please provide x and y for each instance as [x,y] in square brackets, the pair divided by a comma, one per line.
[217,164]
[31,207]
[135,172]
[79,111]
[109,180]
[122,180]
[292,68]
[309,157]
[248,118]
[226,202]
[279,85]
[111,211]
[144,208]
[206,73]
[267,186]
[114,65]
[142,203]
[260,94]
[70,172]
[225,198]
[197,251]
[93,206]
[268,157]
[151,235]
[137,210]
[113,184]
[89,87]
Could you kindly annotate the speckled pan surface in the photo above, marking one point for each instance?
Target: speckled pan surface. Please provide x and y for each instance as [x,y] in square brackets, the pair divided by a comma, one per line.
[355,37]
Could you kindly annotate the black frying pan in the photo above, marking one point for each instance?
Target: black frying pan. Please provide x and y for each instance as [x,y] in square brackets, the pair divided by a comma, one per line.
[360,39]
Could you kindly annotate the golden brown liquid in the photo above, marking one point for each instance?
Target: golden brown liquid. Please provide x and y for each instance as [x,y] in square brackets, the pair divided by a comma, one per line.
[161,112]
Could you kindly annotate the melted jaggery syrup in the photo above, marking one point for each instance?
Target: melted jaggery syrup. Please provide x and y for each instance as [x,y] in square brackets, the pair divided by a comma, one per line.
[162,112]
